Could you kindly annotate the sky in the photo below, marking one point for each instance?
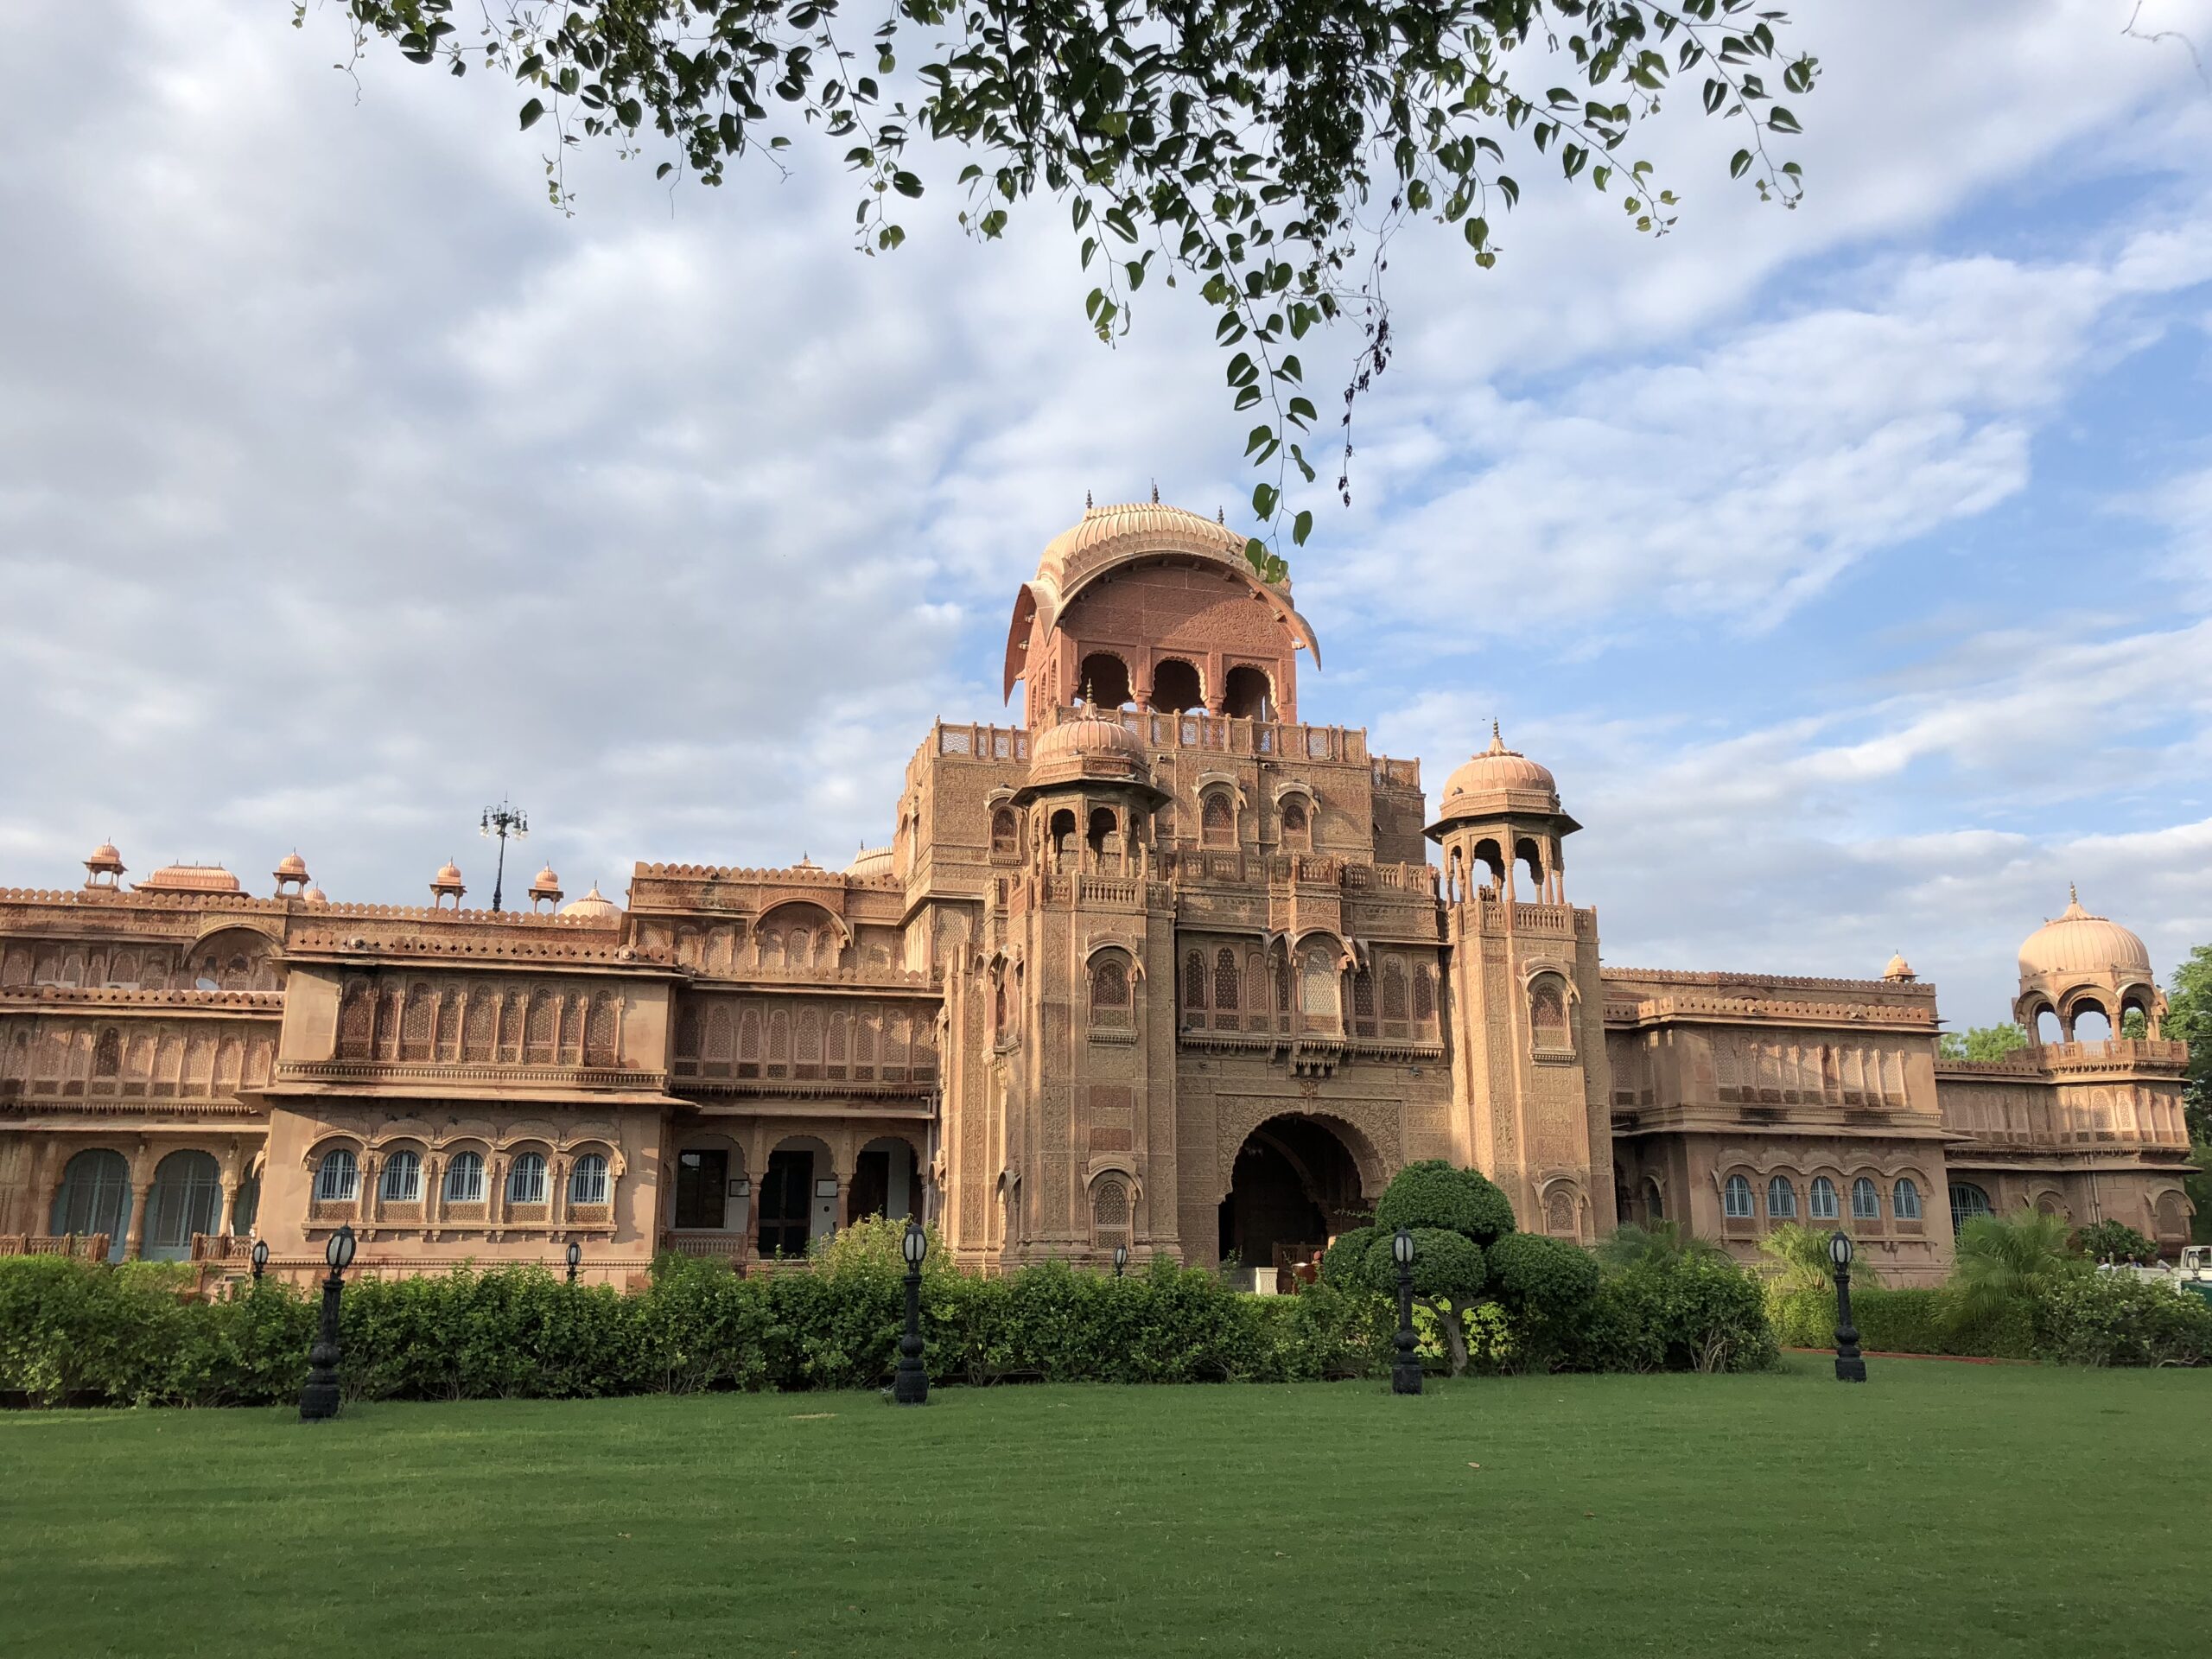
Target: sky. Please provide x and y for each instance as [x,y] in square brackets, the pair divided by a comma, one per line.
[1851,566]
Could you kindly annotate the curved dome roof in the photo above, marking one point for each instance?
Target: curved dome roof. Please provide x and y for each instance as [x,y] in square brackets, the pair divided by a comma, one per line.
[1090,733]
[1498,771]
[593,906]
[291,865]
[315,896]
[449,875]
[870,861]
[2077,943]
[545,881]
[1898,968]
[190,877]
[105,858]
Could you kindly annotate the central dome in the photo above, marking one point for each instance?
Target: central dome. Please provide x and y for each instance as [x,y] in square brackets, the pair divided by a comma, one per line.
[1088,735]
[2077,943]
[1497,771]
[1102,532]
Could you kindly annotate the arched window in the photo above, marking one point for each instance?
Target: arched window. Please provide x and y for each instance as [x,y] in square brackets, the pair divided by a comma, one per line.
[1823,1206]
[1363,1002]
[357,1022]
[1736,1198]
[1320,1005]
[107,1054]
[1865,1200]
[403,1178]
[1394,990]
[1006,833]
[603,1026]
[338,1177]
[1194,989]
[1424,992]
[1781,1198]
[1104,836]
[526,1178]
[1967,1201]
[1226,988]
[1104,680]
[186,1198]
[1904,1198]
[465,1179]
[587,1181]
[1283,1003]
[95,1198]
[1176,687]
[1109,1214]
[1217,819]
[1110,990]
[1548,1012]
[1297,827]
[1245,694]
[1655,1206]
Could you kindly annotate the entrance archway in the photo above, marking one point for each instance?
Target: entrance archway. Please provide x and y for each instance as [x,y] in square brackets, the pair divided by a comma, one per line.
[1294,1186]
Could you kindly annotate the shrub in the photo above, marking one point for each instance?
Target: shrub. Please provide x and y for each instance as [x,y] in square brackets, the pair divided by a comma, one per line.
[1546,1286]
[2115,1319]
[2114,1240]
[1690,1313]
[1344,1263]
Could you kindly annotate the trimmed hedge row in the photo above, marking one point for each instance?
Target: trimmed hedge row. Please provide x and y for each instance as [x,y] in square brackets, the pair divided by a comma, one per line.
[78,1333]
[2086,1319]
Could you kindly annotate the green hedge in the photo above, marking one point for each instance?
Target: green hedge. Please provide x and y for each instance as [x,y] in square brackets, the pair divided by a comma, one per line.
[2091,1320]
[78,1333]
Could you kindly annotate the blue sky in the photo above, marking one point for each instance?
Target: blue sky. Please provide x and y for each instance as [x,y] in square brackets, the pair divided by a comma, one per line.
[1852,567]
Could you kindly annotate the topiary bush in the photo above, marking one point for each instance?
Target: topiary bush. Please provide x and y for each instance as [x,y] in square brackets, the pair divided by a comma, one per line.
[1432,1194]
[1546,1286]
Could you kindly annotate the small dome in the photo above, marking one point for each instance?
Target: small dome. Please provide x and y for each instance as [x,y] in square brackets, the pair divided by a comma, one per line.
[291,865]
[593,906]
[449,875]
[1899,969]
[545,881]
[315,896]
[870,861]
[2078,943]
[190,877]
[104,859]
[1087,735]
[1497,771]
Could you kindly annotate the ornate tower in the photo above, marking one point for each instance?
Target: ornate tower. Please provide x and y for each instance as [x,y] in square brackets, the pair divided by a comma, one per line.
[1525,1005]
[2081,963]
[1083,1034]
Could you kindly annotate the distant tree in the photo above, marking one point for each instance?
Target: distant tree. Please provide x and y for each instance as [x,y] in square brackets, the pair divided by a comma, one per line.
[1267,154]
[2114,1240]
[2189,1020]
[2133,1026]
[1981,1043]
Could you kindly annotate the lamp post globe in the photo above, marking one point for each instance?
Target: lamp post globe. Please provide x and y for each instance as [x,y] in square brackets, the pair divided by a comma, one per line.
[260,1254]
[1405,1370]
[1120,1259]
[319,1398]
[575,1259]
[910,1384]
[1850,1364]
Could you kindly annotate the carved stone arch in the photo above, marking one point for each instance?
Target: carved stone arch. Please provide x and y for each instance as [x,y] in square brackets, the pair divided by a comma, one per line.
[469,1131]
[1214,779]
[1134,949]
[1369,1130]
[1291,787]
[795,901]
[401,1129]
[329,1139]
[530,1129]
[1561,1207]
[1347,952]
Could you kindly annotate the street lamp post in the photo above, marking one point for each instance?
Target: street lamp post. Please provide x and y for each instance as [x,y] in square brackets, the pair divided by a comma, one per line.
[1849,1366]
[502,821]
[1120,1259]
[1405,1370]
[911,1387]
[260,1253]
[575,1259]
[319,1399]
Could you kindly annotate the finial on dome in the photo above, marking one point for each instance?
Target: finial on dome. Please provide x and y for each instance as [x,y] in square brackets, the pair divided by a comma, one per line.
[1155,491]
[2072,895]
[1221,516]
[1087,502]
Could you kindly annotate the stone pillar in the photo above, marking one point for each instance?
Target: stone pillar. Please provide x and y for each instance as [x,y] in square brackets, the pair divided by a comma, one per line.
[141,1193]
[844,1199]
[227,1222]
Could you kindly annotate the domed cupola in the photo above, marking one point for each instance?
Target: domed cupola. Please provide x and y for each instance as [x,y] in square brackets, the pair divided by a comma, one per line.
[2079,963]
[1501,826]
[593,906]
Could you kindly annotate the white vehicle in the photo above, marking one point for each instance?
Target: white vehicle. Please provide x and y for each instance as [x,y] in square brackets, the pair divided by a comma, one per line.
[2197,1264]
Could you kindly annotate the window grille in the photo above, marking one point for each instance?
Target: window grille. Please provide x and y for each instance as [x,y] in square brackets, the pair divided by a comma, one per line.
[338,1177]
[465,1179]
[1823,1203]
[1781,1198]
[403,1178]
[1904,1200]
[526,1179]
[587,1181]
[1865,1200]
[1736,1198]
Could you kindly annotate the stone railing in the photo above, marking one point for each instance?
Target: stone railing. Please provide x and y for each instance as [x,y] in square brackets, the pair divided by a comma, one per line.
[92,1247]
[571,1076]
[222,1247]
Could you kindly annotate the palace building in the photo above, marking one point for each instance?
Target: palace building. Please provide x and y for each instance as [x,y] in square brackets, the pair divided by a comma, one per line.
[1156,965]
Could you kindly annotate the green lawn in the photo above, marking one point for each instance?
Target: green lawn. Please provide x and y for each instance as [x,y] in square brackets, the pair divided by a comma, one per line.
[1940,1508]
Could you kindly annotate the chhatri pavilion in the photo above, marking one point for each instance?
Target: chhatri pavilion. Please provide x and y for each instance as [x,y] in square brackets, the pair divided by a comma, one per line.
[1155,965]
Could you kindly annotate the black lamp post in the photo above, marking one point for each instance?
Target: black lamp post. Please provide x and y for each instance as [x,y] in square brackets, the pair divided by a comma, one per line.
[1849,1367]
[1405,1370]
[1120,1259]
[260,1253]
[911,1385]
[575,1259]
[319,1399]
[502,821]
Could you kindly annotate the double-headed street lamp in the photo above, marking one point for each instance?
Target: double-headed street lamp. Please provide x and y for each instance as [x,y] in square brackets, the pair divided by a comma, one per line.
[502,821]
[1405,1370]
[319,1399]
[1849,1366]
[911,1387]
[575,1259]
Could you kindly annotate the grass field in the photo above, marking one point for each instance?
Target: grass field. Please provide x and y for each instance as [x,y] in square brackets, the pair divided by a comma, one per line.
[1940,1508]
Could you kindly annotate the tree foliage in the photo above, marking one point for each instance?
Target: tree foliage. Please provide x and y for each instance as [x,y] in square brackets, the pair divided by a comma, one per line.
[1266,154]
[1981,1043]
[1801,1257]
[2189,1020]
[1662,1243]
[1433,1193]
[2115,1241]
[2003,1261]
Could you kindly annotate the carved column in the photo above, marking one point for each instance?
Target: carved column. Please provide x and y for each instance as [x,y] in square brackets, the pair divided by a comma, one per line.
[227,1222]
[141,1193]
[844,1199]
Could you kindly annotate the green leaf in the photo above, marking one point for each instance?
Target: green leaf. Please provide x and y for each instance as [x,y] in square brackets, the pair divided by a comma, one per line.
[1780,120]
[531,112]
[1739,163]
[1301,527]
[905,184]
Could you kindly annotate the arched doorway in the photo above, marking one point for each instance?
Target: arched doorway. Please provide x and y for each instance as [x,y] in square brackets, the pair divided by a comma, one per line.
[95,1198]
[1294,1186]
